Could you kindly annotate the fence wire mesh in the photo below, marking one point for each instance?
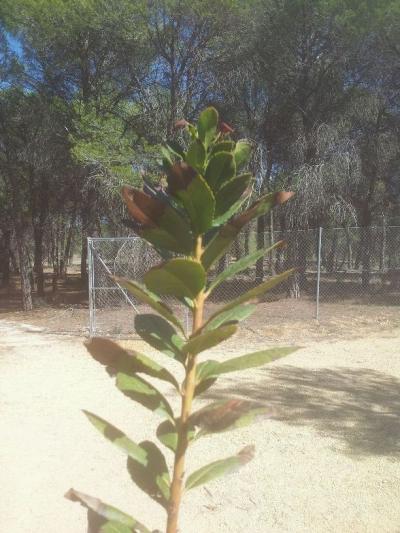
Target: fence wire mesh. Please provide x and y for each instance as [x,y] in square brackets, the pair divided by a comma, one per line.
[333,266]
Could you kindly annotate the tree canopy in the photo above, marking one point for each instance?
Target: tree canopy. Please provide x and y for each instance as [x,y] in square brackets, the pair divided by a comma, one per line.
[89,88]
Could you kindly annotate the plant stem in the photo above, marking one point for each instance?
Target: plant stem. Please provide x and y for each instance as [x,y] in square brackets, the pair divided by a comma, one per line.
[186,407]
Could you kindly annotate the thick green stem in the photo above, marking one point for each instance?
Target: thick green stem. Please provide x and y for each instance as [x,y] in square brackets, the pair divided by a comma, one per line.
[186,407]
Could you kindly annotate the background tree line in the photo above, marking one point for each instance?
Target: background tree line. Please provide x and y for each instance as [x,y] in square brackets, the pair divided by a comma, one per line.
[89,88]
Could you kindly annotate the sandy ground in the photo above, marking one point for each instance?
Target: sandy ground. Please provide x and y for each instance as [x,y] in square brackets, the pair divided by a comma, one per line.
[328,461]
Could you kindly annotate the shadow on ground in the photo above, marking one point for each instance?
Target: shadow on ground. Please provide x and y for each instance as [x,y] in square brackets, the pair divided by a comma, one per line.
[359,407]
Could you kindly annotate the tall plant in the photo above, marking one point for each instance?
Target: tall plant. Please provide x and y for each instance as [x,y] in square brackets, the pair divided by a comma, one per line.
[195,219]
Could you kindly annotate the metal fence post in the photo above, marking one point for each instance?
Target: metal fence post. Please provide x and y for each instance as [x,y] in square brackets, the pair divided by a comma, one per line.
[318,270]
[92,326]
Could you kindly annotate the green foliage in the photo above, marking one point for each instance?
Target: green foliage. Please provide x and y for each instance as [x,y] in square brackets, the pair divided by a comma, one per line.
[118,438]
[220,169]
[219,468]
[160,335]
[143,392]
[240,312]
[226,415]
[241,265]
[198,200]
[150,299]
[104,518]
[256,292]
[204,191]
[153,476]
[207,125]
[208,339]
[178,277]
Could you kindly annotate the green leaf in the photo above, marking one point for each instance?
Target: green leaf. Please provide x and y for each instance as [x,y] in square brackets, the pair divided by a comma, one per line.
[139,390]
[152,300]
[223,146]
[205,377]
[209,369]
[196,155]
[178,277]
[218,221]
[206,369]
[230,194]
[208,372]
[227,234]
[262,206]
[199,202]
[192,131]
[256,292]
[179,240]
[175,149]
[242,264]
[218,245]
[118,438]
[207,339]
[166,156]
[255,359]
[219,468]
[117,358]
[167,434]
[220,169]
[226,415]
[157,332]
[109,527]
[107,518]
[241,312]
[153,478]
[207,125]
[242,153]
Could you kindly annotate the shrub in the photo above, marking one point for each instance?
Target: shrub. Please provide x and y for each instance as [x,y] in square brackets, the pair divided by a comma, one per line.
[194,221]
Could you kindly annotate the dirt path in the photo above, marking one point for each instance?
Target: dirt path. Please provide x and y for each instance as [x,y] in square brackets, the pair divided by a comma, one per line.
[327,462]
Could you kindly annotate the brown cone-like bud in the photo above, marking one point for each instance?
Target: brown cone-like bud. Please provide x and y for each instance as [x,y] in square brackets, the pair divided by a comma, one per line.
[143,208]
[181,124]
[225,128]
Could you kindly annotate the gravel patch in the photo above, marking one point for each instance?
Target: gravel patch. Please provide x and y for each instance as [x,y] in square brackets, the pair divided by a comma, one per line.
[327,461]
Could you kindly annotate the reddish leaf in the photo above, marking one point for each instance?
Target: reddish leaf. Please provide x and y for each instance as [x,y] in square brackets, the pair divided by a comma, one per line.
[180,124]
[258,208]
[143,208]
[225,128]
[180,176]
[227,414]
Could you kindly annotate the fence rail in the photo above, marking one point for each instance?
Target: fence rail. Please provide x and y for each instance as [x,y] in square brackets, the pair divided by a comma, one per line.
[360,265]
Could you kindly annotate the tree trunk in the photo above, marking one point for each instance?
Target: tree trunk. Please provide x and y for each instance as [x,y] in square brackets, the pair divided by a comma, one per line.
[5,256]
[38,258]
[89,229]
[84,254]
[260,244]
[349,250]
[14,257]
[66,252]
[331,257]
[26,288]
[365,256]
[302,252]
[382,262]
[366,245]
[272,242]
[292,261]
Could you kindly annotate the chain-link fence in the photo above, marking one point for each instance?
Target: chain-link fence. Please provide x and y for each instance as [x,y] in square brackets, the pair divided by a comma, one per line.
[343,265]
